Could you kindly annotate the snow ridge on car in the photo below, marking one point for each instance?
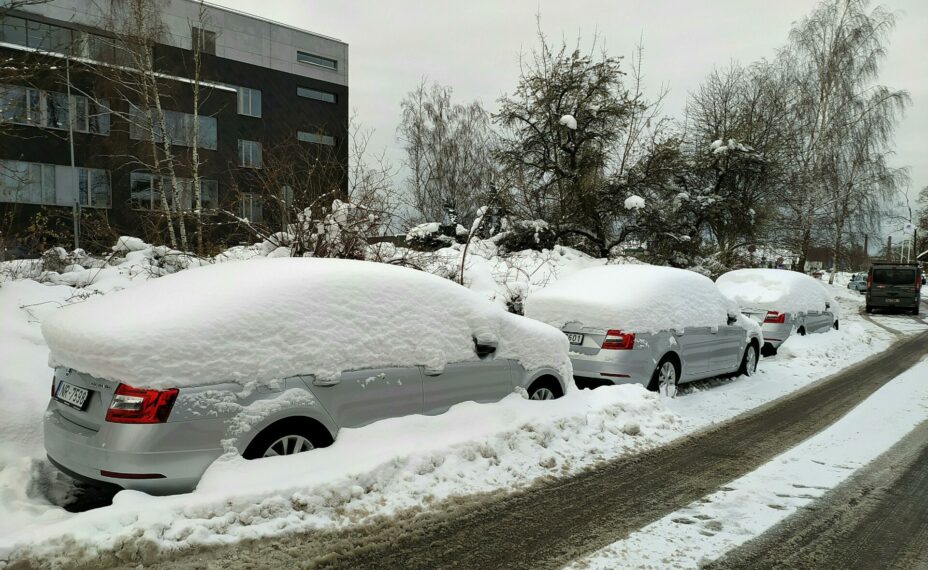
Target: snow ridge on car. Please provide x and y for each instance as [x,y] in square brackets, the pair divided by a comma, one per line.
[263,320]
[640,298]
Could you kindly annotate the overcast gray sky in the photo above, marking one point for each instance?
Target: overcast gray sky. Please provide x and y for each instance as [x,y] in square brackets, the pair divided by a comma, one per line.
[474,46]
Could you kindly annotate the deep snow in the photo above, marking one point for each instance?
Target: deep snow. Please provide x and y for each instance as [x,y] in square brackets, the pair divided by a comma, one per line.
[267,319]
[636,298]
[774,290]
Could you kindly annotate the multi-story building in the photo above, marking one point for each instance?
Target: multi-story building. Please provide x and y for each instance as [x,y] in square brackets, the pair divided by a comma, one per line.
[84,144]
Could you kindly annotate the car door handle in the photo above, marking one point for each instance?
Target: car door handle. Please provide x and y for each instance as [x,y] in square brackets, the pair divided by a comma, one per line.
[327,382]
[432,371]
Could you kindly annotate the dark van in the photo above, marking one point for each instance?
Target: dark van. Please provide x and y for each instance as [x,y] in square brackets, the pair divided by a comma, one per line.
[894,286]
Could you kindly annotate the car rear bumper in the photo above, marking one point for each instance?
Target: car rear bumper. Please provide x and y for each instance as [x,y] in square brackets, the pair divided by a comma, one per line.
[776,334]
[623,367]
[128,450]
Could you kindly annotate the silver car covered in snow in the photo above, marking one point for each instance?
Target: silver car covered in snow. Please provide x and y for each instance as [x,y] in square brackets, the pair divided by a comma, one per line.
[782,301]
[273,357]
[648,325]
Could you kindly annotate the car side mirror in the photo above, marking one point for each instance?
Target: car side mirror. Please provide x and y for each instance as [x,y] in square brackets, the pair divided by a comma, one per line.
[732,319]
[485,344]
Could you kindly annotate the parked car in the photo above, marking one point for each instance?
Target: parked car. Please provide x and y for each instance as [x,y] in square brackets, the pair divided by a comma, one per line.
[783,301]
[858,282]
[276,356]
[894,286]
[655,326]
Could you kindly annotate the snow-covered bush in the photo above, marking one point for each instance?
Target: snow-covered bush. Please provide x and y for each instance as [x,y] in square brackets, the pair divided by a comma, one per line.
[433,235]
[526,234]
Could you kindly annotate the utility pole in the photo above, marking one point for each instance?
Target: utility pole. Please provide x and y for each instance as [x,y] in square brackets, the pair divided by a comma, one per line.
[866,251]
[76,212]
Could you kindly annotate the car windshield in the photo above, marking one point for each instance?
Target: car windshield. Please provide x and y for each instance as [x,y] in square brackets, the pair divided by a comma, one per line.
[894,276]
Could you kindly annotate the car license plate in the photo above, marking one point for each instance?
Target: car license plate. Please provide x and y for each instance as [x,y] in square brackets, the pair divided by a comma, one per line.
[72,395]
[575,338]
[892,300]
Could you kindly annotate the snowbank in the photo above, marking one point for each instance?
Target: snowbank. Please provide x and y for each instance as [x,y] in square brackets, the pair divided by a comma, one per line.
[775,290]
[369,472]
[267,319]
[638,298]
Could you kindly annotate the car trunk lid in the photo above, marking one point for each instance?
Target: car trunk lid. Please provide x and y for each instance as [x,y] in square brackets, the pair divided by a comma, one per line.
[92,414]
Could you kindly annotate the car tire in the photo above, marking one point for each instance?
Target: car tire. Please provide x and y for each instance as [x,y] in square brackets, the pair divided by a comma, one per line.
[836,326]
[287,437]
[661,379]
[749,361]
[915,311]
[869,309]
[545,389]
[801,331]
[768,350]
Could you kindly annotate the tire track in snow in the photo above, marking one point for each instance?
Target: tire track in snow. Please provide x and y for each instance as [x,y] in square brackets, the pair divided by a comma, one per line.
[877,519]
[554,522]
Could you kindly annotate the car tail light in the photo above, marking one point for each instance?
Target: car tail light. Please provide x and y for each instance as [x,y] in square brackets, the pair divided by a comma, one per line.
[869,280]
[136,406]
[618,340]
[774,317]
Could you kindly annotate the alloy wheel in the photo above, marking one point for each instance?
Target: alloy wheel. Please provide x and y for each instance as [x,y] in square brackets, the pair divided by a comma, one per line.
[288,445]
[667,377]
[542,394]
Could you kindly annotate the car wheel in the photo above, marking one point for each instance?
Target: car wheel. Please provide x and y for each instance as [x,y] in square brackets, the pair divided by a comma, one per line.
[768,350]
[869,309]
[666,377]
[287,437]
[544,389]
[802,331]
[749,361]
[835,326]
[915,311]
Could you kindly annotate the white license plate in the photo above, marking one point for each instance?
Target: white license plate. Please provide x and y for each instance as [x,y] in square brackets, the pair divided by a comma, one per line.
[892,300]
[72,395]
[575,338]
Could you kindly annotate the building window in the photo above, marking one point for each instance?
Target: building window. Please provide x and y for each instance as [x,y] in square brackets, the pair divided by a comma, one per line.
[312,59]
[324,96]
[27,182]
[251,209]
[27,106]
[315,138]
[249,101]
[179,126]
[145,192]
[94,188]
[249,154]
[204,39]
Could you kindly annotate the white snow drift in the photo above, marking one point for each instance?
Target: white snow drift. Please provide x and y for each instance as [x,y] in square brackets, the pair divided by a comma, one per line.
[639,298]
[267,319]
[774,290]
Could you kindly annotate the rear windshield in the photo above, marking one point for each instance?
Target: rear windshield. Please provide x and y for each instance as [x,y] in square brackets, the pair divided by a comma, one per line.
[894,276]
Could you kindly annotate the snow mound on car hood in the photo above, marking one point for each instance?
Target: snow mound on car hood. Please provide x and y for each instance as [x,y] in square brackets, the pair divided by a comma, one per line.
[635,298]
[262,320]
[776,290]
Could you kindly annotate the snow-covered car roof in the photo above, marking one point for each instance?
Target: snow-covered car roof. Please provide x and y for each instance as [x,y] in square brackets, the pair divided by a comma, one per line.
[635,298]
[267,319]
[775,290]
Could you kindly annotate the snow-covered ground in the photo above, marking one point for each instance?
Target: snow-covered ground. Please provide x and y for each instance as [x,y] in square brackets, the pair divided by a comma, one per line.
[748,506]
[392,465]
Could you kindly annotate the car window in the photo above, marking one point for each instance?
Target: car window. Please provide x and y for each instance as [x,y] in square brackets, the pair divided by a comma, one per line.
[894,276]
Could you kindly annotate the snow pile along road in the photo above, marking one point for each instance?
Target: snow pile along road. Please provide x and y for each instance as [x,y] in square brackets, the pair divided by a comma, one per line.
[377,470]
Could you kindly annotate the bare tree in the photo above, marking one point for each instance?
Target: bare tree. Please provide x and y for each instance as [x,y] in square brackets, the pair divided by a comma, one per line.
[448,148]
